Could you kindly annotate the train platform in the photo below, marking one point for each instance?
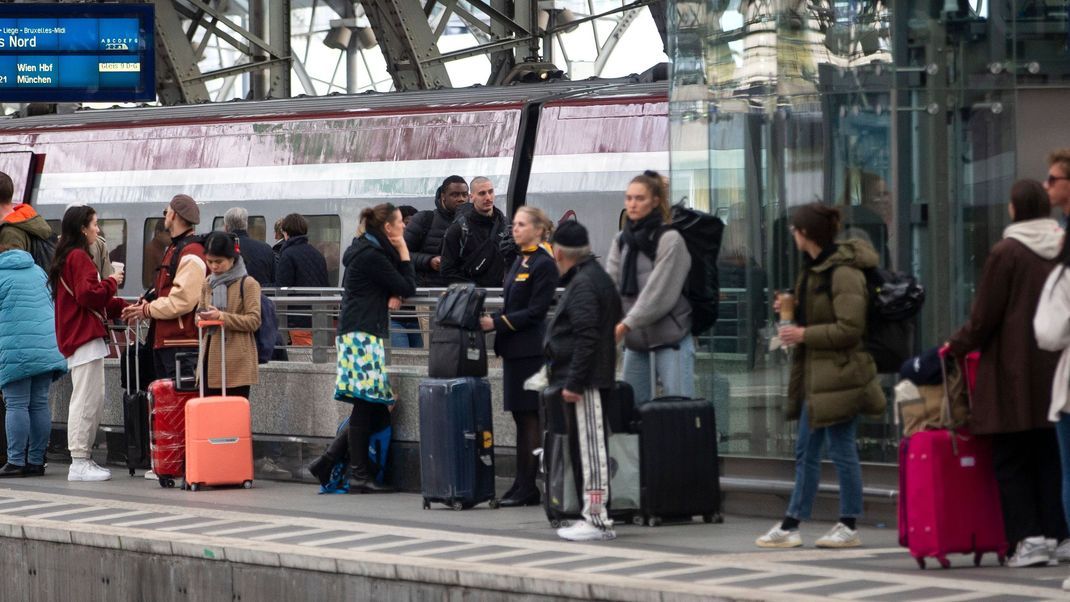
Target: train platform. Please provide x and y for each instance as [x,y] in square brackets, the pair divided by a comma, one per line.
[129,539]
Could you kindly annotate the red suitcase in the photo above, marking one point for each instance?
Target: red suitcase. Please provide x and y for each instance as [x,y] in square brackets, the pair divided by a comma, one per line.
[219,432]
[167,426]
[948,497]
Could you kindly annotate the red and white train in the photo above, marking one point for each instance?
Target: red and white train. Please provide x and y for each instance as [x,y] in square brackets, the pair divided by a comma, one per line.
[564,147]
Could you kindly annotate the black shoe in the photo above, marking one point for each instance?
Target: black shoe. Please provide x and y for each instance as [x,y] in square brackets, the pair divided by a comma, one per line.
[368,486]
[532,499]
[11,470]
[34,470]
[321,468]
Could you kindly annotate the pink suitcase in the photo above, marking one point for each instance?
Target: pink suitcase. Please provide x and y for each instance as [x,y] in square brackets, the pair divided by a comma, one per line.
[219,434]
[948,499]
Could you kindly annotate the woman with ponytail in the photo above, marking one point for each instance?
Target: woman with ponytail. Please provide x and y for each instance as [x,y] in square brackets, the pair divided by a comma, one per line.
[378,275]
[649,263]
[83,304]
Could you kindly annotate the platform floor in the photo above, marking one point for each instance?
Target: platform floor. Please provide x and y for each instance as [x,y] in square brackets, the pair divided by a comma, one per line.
[285,524]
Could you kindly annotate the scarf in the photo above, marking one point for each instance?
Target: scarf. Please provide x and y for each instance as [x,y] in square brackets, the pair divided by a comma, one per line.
[219,283]
[375,237]
[638,236]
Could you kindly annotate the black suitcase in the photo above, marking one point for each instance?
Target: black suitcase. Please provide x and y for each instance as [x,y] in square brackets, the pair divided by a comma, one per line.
[456,352]
[562,474]
[135,409]
[680,472]
[456,443]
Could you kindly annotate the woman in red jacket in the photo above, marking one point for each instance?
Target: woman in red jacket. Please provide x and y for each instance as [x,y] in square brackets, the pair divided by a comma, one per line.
[83,302]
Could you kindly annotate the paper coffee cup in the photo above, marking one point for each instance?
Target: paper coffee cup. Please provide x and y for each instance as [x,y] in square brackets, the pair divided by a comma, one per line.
[118,266]
[787,307]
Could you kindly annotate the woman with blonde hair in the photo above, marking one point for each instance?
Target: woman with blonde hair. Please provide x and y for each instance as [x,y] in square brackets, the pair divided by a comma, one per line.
[520,327]
[649,263]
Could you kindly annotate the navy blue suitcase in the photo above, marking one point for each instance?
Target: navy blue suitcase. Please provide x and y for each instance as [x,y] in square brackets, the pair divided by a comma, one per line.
[456,442]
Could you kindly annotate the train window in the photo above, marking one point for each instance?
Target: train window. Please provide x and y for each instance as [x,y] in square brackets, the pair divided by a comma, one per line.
[114,232]
[156,240]
[325,233]
[257,226]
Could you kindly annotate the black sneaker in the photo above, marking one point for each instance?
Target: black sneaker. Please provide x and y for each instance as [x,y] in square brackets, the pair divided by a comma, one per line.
[321,468]
[12,470]
[34,470]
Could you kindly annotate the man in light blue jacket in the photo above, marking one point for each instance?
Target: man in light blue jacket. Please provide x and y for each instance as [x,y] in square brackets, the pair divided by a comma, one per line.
[29,361]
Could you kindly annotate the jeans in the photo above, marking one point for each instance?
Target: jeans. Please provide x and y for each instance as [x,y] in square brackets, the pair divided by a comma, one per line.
[843,450]
[1062,429]
[675,370]
[400,339]
[29,420]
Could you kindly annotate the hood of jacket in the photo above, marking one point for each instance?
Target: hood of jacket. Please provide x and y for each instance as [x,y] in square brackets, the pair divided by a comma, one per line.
[446,213]
[1042,236]
[358,246]
[25,218]
[853,252]
[16,260]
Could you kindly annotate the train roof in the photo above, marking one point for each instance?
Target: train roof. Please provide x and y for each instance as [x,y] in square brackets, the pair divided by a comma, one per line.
[339,104]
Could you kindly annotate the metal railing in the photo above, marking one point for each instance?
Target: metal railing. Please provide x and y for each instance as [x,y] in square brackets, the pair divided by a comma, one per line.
[320,309]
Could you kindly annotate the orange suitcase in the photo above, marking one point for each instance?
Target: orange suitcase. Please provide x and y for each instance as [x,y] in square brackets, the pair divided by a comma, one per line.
[219,434]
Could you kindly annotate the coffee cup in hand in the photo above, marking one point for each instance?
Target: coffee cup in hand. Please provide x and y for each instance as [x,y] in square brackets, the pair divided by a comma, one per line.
[118,267]
[787,307]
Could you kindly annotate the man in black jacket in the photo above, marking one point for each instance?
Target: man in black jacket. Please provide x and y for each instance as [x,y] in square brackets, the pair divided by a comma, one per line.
[302,265]
[258,256]
[425,231]
[478,247]
[582,358]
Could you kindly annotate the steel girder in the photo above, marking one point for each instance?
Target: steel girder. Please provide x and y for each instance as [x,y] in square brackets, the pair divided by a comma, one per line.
[408,44]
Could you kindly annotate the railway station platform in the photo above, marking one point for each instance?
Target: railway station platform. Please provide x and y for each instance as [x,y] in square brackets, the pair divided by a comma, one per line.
[128,539]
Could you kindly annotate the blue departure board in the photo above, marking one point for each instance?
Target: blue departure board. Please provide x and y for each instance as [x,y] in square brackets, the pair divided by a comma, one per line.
[77,53]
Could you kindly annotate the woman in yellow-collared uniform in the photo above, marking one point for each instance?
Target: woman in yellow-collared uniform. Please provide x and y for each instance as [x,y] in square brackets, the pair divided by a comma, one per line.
[520,327]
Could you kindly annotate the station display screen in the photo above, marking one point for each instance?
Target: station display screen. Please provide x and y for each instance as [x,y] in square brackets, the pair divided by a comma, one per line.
[77,53]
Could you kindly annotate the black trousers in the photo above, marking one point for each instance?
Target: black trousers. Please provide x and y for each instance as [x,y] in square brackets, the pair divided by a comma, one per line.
[364,417]
[164,360]
[1030,484]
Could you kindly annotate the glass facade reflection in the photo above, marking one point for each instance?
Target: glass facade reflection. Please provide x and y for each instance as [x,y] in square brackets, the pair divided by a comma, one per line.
[913,117]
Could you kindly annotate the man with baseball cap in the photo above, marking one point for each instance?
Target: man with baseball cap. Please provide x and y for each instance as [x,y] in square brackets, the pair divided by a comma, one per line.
[176,290]
[582,357]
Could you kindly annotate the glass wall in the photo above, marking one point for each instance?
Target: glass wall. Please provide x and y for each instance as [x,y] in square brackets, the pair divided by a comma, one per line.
[914,121]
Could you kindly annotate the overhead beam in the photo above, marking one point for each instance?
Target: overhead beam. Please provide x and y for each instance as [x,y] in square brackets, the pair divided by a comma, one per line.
[177,76]
[408,44]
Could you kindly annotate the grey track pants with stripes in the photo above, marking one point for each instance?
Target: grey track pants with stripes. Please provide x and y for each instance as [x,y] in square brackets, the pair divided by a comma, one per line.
[590,430]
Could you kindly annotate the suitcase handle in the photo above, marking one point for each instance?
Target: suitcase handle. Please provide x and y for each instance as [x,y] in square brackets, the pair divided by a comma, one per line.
[203,353]
[137,358]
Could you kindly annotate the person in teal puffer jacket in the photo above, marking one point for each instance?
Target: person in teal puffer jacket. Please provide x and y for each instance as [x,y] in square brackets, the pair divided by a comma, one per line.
[29,361]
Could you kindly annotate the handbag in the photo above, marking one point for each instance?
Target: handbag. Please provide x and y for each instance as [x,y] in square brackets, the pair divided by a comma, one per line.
[460,306]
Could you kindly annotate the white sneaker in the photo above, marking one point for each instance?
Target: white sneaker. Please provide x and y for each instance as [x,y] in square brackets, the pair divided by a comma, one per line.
[582,530]
[1031,551]
[1062,551]
[99,467]
[1053,548]
[779,538]
[151,476]
[1066,584]
[87,470]
[840,536]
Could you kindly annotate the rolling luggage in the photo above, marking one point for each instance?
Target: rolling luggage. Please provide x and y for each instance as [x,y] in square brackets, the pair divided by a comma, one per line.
[679,472]
[167,423]
[458,346]
[948,497]
[219,430]
[560,472]
[456,443]
[135,409]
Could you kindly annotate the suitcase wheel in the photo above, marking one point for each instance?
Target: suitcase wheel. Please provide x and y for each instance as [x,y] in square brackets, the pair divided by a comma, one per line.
[245,485]
[921,562]
[637,520]
[494,503]
[1002,559]
[707,518]
[977,558]
[944,562]
[427,504]
[457,506]
[557,524]
[132,472]
[653,521]
[194,486]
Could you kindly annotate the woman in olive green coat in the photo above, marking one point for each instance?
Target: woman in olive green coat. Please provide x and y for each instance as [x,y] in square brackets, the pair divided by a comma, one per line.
[833,378]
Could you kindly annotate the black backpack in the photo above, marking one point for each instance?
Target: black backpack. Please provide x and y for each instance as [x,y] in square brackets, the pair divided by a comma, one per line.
[42,250]
[894,300]
[702,234]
